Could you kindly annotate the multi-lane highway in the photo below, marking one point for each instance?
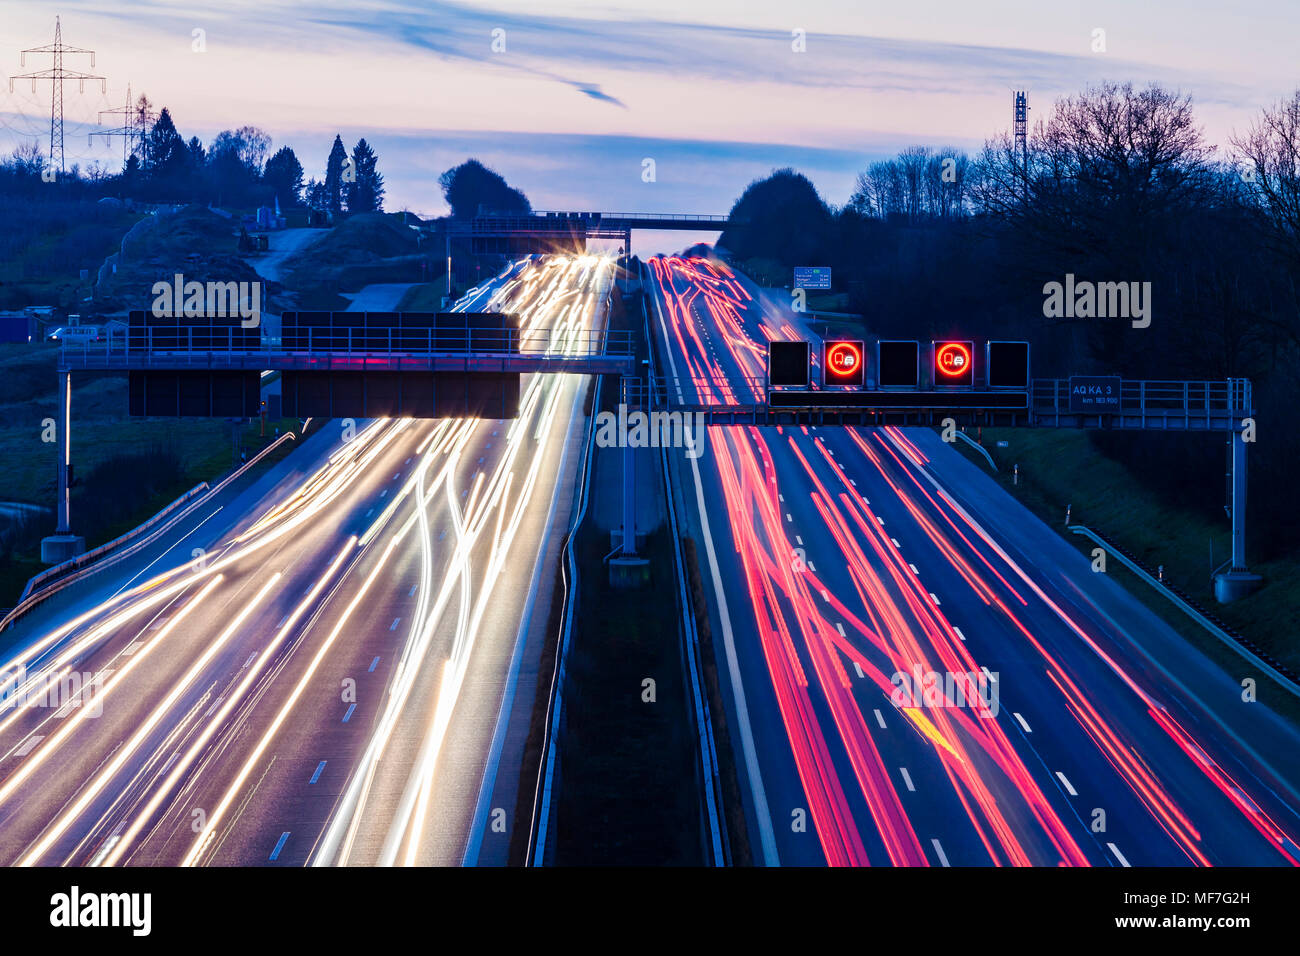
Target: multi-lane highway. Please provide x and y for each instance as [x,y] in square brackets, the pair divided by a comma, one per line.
[319,667]
[917,671]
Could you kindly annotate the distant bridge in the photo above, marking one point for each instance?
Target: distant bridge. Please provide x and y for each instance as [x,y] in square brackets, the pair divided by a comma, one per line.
[550,230]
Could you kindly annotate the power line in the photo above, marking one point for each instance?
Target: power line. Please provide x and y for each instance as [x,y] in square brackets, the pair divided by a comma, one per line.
[57,75]
[138,119]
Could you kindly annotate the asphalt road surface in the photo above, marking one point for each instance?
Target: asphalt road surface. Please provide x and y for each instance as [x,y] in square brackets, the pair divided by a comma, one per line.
[918,672]
[310,668]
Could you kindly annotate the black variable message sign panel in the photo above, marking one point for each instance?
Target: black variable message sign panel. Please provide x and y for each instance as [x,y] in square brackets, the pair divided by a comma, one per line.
[898,364]
[1006,364]
[788,364]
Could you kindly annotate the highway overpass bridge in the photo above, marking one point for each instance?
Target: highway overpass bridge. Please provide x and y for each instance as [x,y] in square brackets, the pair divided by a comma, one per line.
[557,231]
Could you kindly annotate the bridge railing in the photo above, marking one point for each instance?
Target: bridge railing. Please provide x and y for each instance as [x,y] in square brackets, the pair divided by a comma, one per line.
[629,216]
[1193,404]
[209,345]
[1187,400]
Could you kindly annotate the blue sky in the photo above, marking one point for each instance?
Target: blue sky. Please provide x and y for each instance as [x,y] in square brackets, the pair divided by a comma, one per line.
[575,96]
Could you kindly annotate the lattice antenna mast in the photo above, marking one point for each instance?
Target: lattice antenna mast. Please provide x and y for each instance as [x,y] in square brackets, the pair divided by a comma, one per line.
[1020,127]
[57,75]
[138,120]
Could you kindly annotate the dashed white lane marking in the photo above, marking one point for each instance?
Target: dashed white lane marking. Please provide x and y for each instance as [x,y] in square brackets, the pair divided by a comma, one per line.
[853,483]
[913,567]
[780,497]
[878,518]
[957,631]
[1118,855]
[840,627]
[812,567]
[251,658]
[858,667]
[393,626]
[798,540]
[28,747]
[943,857]
[1068,788]
[130,648]
[411,593]
[215,704]
[934,598]
[1022,722]
[880,718]
[989,674]
[787,516]
[826,597]
[896,544]
[907,779]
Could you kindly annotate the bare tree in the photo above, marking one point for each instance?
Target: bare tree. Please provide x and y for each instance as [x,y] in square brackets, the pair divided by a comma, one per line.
[1101,173]
[1270,158]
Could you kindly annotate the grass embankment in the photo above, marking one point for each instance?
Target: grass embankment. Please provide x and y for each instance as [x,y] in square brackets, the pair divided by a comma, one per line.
[193,241]
[125,469]
[360,250]
[47,242]
[425,297]
[1060,467]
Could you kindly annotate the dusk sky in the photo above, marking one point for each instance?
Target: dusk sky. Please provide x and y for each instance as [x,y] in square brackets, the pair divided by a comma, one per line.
[584,92]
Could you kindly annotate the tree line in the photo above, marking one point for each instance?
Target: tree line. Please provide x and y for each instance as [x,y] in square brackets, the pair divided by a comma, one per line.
[237,168]
[1116,184]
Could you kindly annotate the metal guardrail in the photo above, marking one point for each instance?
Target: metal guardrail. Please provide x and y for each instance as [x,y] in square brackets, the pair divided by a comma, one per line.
[714,813]
[549,760]
[548,766]
[1242,645]
[49,582]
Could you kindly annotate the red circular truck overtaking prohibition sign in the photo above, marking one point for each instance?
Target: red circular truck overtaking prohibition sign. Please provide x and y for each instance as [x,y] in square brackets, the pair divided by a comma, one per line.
[844,360]
[953,359]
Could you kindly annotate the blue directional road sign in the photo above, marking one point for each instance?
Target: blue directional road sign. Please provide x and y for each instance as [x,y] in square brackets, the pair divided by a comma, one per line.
[1095,394]
[812,277]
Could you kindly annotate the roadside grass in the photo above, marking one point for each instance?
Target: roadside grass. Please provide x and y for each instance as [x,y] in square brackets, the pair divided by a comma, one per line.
[46,244]
[362,249]
[150,461]
[1060,467]
[425,297]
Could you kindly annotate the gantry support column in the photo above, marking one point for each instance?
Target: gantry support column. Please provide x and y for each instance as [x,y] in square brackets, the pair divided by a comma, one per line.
[63,544]
[1237,582]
